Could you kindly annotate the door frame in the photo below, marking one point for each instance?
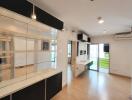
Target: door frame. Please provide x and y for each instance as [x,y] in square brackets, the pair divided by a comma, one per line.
[73,56]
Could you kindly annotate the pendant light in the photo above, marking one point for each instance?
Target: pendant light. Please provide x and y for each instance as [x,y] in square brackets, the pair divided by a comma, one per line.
[34,17]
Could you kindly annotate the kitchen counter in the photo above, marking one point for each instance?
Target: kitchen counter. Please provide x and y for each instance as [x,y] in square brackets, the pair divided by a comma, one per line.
[31,79]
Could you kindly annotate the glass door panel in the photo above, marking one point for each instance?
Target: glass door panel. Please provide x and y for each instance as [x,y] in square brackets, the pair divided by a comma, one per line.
[94,48]
[104,58]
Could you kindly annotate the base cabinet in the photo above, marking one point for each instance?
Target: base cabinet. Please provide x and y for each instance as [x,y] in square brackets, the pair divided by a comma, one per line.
[43,90]
[33,92]
[53,85]
[5,98]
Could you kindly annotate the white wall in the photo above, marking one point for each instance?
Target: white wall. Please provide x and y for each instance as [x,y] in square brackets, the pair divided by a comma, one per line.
[120,54]
[62,59]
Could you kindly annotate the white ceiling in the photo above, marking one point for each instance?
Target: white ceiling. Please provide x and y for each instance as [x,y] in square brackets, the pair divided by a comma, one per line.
[83,14]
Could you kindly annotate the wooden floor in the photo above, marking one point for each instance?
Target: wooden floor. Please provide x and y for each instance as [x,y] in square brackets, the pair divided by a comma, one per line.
[96,86]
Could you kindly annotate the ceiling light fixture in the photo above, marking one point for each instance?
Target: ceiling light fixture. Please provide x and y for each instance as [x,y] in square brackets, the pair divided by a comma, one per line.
[100,20]
[33,14]
[105,31]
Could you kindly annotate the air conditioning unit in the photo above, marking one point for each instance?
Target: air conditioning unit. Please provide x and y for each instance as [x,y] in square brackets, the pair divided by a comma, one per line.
[124,35]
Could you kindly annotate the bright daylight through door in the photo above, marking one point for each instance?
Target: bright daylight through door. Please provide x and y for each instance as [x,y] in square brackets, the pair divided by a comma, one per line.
[99,54]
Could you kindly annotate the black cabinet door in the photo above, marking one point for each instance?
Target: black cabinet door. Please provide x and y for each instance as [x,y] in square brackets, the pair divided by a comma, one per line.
[53,85]
[5,98]
[33,92]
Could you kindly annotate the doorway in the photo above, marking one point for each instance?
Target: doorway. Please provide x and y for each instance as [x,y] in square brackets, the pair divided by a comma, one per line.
[69,67]
[99,54]
[71,55]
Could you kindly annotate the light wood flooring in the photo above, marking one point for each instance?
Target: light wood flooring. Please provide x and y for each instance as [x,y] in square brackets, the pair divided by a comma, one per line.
[92,85]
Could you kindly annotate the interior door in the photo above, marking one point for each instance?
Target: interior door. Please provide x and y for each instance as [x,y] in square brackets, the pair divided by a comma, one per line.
[94,56]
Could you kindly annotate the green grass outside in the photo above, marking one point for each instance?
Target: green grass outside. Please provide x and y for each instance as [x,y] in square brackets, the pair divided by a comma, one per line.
[104,63]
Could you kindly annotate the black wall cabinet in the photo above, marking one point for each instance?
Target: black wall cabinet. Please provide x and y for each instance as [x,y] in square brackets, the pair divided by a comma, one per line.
[53,85]
[6,98]
[33,92]
[25,8]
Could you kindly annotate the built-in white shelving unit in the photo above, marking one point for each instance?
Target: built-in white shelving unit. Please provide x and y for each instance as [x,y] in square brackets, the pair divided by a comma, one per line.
[6,57]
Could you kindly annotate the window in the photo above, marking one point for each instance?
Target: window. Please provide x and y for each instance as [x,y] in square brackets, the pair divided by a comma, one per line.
[53,50]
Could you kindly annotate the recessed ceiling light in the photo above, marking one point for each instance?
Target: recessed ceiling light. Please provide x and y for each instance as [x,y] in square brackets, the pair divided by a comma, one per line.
[100,20]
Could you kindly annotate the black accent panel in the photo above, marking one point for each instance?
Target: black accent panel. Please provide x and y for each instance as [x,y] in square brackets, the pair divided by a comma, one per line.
[80,37]
[53,85]
[88,49]
[89,39]
[24,7]
[77,48]
[5,98]
[19,6]
[49,20]
[0,60]
[33,92]
[106,47]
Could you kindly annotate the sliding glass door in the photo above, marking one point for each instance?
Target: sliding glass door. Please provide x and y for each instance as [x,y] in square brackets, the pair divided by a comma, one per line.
[94,55]
[104,60]
[99,55]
